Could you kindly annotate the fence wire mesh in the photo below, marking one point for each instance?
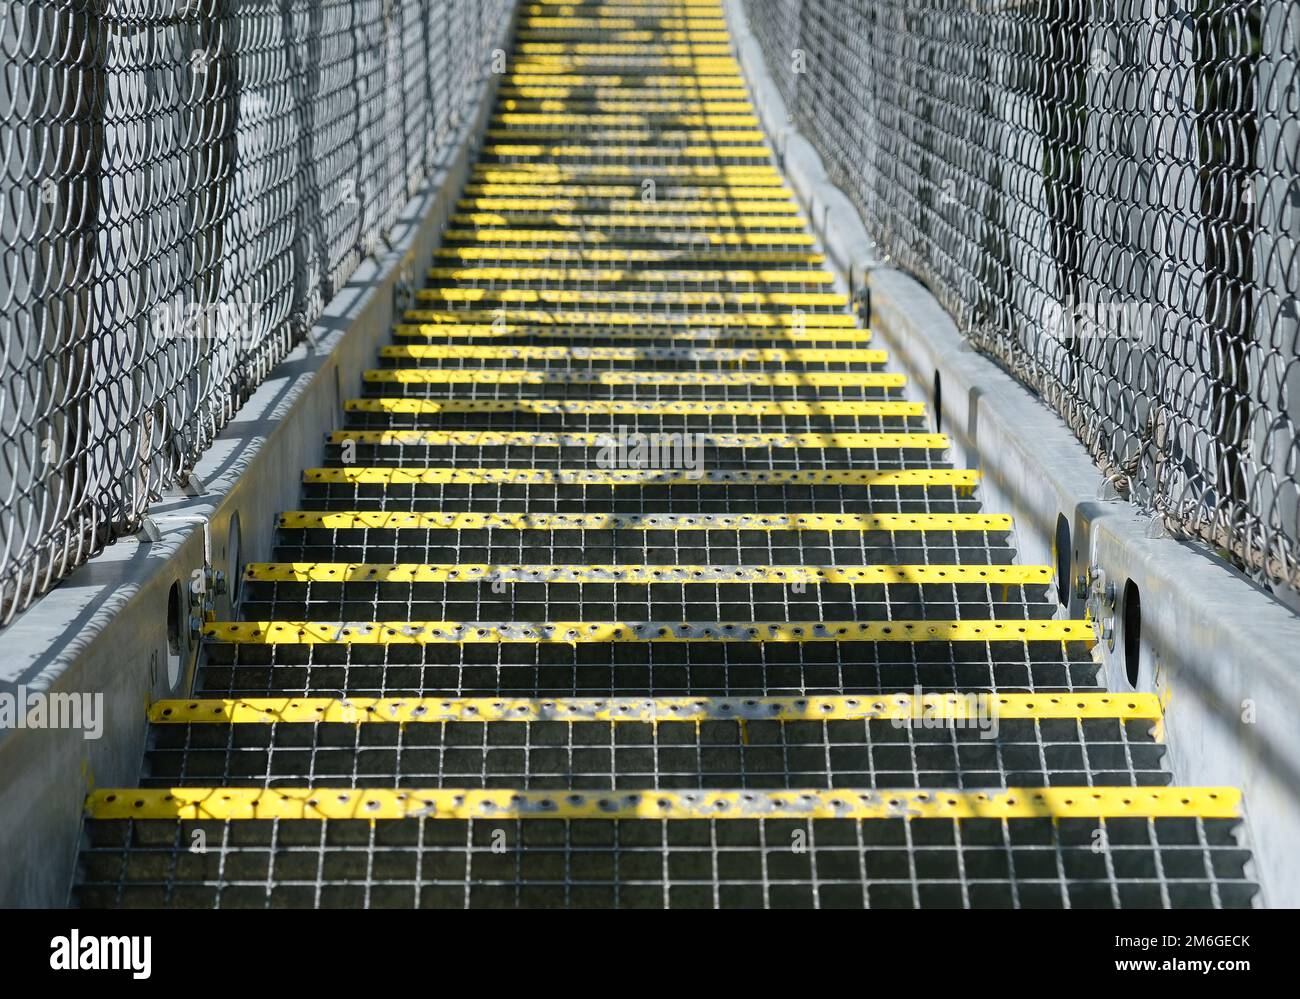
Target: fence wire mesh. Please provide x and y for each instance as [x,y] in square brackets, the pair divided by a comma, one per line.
[186,183]
[1104,194]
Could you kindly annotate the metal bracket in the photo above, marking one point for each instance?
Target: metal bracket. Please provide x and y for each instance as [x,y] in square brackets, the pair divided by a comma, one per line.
[1100,598]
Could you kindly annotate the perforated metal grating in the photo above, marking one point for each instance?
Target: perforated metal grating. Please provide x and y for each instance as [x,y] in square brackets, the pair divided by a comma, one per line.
[781,666]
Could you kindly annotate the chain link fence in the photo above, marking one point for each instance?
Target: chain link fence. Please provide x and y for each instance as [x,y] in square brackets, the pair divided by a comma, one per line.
[1105,194]
[186,183]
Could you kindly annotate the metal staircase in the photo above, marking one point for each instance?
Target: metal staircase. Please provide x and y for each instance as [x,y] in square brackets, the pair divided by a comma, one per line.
[633,579]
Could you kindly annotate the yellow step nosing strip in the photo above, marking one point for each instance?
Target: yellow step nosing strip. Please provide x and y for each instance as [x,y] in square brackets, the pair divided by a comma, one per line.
[548,43]
[640,65]
[579,48]
[391,476]
[570,198]
[728,176]
[570,18]
[568,32]
[709,73]
[551,73]
[537,58]
[724,133]
[537,90]
[615,105]
[626,256]
[691,242]
[564,197]
[635,10]
[588,317]
[653,69]
[484,331]
[659,33]
[537,12]
[859,575]
[689,9]
[549,77]
[399,520]
[619,35]
[698,152]
[630,207]
[581,338]
[639,221]
[630,256]
[632,9]
[588,632]
[579,114]
[602,298]
[591,192]
[233,803]
[711,64]
[536,27]
[691,105]
[742,354]
[672,407]
[647,43]
[615,275]
[578,26]
[595,136]
[551,376]
[436,710]
[747,173]
[533,75]
[723,180]
[575,64]
[683,32]
[525,438]
[681,8]
[719,142]
[729,121]
[592,96]
[576,22]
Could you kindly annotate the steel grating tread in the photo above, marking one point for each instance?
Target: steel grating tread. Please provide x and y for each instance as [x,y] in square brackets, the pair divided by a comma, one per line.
[900,741]
[803,669]
[882,863]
